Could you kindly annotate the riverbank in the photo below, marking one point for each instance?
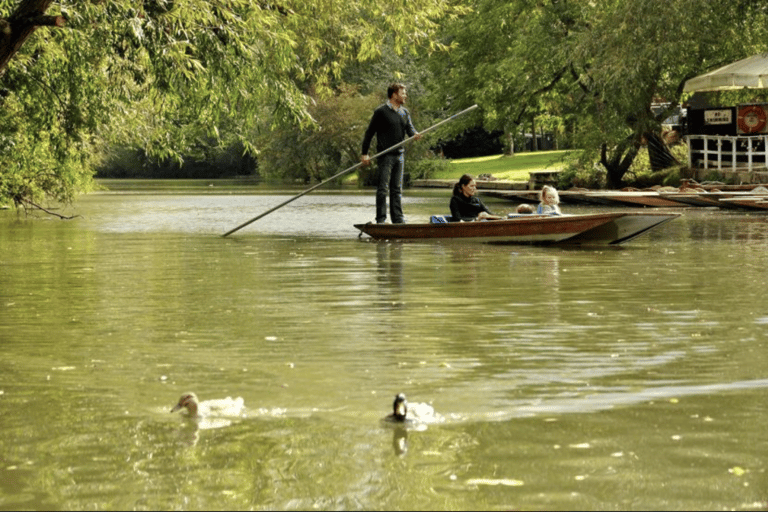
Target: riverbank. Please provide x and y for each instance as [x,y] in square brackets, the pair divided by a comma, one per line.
[509,168]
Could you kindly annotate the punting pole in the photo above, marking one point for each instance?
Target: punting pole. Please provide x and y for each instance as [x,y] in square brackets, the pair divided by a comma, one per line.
[345,171]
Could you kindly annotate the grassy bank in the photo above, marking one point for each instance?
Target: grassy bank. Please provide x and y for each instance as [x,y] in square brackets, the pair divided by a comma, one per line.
[512,168]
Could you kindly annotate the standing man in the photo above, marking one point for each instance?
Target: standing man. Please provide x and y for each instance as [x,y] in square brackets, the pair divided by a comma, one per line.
[390,123]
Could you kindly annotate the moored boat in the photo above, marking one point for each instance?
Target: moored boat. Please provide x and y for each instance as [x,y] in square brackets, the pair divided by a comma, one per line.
[589,229]
[700,199]
[636,198]
[748,202]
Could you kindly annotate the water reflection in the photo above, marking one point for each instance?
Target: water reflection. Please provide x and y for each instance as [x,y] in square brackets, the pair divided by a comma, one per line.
[550,270]
[389,274]
[189,432]
[400,440]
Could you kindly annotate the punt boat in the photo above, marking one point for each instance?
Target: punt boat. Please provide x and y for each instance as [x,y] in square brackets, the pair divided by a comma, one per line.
[587,229]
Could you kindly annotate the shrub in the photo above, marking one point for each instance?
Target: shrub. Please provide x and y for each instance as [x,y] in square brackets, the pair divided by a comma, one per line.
[640,174]
[575,175]
[426,168]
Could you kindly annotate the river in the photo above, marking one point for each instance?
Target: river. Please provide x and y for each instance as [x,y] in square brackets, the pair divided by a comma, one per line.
[626,378]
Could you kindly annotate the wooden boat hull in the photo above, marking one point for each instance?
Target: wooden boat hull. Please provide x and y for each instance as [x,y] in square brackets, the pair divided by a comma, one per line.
[640,198]
[701,199]
[749,202]
[590,229]
[596,197]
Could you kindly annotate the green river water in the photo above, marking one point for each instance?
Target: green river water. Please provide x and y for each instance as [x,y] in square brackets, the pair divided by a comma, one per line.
[630,378]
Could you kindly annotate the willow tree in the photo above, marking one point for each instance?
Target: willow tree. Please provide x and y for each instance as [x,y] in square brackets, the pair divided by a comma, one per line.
[167,75]
[599,64]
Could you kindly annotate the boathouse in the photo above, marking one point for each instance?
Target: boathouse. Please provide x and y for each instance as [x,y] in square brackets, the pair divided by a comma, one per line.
[729,140]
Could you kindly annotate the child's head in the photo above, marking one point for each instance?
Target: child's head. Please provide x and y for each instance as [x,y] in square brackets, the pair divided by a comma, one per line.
[524,208]
[548,195]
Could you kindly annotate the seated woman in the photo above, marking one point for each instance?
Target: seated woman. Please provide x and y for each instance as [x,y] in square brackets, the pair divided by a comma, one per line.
[549,201]
[465,207]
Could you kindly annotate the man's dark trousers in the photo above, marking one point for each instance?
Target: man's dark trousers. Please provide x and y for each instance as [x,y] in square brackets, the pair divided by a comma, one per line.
[390,183]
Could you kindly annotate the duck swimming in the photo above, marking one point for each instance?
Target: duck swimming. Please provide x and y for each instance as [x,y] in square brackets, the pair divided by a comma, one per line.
[399,409]
[224,407]
[418,414]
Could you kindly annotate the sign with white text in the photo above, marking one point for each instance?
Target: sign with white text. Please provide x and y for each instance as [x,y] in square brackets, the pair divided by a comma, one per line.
[723,116]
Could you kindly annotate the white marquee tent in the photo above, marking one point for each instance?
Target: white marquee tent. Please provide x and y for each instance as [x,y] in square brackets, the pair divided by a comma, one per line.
[750,73]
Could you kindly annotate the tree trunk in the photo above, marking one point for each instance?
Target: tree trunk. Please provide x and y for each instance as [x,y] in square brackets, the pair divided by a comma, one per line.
[534,142]
[618,164]
[15,29]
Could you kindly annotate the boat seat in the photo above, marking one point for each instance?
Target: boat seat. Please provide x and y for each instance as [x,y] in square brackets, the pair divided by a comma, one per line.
[518,215]
[440,219]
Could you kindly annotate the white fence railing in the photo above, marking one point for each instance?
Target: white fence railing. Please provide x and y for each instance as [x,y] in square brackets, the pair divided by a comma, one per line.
[723,152]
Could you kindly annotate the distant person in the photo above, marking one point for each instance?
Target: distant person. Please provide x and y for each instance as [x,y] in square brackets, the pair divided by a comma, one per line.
[390,123]
[524,208]
[465,207]
[549,201]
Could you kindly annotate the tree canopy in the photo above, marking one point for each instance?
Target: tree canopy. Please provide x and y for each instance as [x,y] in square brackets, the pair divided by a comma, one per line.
[182,78]
[170,76]
[597,64]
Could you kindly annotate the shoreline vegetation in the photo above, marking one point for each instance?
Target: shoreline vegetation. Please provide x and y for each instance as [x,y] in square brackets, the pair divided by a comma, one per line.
[500,167]
[497,171]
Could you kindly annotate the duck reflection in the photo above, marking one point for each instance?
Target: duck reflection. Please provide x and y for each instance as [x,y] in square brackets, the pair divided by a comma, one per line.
[189,433]
[400,440]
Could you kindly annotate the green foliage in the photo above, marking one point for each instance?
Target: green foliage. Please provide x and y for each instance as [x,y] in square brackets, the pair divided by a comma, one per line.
[325,148]
[334,142]
[194,81]
[640,174]
[181,79]
[597,65]
[36,163]
[429,167]
[577,175]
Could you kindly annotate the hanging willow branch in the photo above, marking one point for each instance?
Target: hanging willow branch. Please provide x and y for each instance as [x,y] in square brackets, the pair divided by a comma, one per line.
[26,201]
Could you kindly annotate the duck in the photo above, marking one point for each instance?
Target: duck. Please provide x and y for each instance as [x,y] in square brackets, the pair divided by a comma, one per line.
[223,407]
[412,413]
[399,409]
